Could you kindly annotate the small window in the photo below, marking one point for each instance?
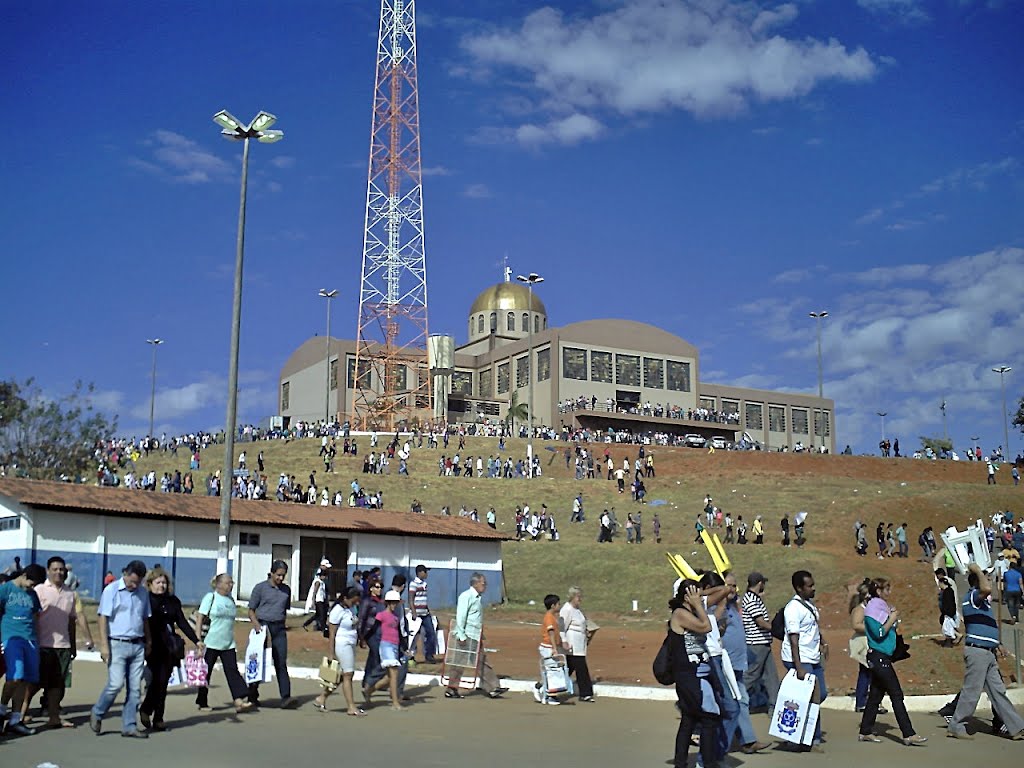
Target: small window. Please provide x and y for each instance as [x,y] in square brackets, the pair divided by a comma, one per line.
[544,364]
[249,539]
[494,322]
[511,321]
[480,324]
[10,523]
[503,380]
[333,376]
[526,322]
[536,323]
[284,396]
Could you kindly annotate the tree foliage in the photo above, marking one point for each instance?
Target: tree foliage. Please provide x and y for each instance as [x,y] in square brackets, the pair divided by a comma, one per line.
[50,439]
[517,411]
[937,444]
[1018,419]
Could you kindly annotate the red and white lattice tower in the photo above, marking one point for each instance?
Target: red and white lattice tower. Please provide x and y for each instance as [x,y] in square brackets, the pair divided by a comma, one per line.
[392,384]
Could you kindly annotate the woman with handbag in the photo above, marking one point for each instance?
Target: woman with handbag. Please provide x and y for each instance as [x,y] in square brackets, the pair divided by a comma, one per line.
[687,631]
[343,624]
[168,646]
[220,640]
[859,645]
[880,623]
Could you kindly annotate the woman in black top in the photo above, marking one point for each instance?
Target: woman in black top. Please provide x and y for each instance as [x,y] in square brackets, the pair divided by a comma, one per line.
[369,631]
[168,648]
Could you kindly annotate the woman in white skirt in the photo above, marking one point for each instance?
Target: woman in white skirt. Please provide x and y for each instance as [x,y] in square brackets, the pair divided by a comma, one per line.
[342,623]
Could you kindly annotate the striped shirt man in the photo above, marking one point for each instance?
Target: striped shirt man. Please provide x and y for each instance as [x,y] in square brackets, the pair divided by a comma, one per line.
[754,606]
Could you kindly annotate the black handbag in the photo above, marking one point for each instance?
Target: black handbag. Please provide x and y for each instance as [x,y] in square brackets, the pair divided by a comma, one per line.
[902,650]
[175,646]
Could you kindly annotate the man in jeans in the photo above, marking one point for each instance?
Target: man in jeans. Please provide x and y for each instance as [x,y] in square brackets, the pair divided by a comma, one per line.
[803,650]
[757,629]
[420,608]
[268,607]
[124,644]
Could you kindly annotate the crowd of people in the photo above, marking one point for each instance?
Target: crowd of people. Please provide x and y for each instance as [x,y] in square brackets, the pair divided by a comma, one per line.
[657,410]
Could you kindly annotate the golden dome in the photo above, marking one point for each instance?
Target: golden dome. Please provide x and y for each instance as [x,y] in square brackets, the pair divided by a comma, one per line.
[507,296]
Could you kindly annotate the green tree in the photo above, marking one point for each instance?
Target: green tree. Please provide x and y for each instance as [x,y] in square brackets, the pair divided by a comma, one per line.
[1018,419]
[937,444]
[517,411]
[50,439]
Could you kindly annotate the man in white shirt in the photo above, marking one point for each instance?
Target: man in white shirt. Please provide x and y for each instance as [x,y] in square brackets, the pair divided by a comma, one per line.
[803,649]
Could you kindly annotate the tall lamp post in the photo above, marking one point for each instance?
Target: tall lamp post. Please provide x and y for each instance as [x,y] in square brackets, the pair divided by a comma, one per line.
[152,390]
[1002,370]
[818,317]
[974,442]
[531,279]
[237,131]
[325,294]
[945,431]
[883,414]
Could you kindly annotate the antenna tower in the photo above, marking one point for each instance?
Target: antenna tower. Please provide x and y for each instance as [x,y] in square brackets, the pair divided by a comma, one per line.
[391,375]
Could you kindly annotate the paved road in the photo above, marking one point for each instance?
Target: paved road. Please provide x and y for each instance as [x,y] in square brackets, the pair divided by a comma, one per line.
[508,733]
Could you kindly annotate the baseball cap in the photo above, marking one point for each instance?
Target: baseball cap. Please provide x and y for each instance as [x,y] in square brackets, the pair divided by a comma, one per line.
[392,594]
[756,577]
[325,563]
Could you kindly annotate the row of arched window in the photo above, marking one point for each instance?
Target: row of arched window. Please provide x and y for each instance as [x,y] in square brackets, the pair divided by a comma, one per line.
[510,323]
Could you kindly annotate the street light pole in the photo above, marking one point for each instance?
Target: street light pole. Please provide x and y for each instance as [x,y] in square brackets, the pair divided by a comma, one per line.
[945,431]
[233,129]
[1002,370]
[324,293]
[531,279]
[152,391]
[883,414]
[818,317]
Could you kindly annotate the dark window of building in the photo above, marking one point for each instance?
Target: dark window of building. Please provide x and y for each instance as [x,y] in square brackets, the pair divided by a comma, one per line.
[401,374]
[755,416]
[10,523]
[544,364]
[485,383]
[480,324]
[799,421]
[511,321]
[536,323]
[730,406]
[488,409]
[627,370]
[678,376]
[494,322]
[462,382]
[503,372]
[526,322]
[522,372]
[777,418]
[707,402]
[333,376]
[364,373]
[654,373]
[601,367]
[822,425]
[284,396]
[574,363]
[458,405]
[249,539]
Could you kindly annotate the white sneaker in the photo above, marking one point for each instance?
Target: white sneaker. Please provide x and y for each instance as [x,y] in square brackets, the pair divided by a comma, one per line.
[537,694]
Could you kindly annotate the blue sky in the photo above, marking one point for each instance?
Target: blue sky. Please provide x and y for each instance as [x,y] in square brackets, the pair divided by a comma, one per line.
[718,169]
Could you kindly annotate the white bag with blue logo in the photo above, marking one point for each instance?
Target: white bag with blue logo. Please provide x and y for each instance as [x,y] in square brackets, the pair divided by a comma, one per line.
[792,718]
[257,658]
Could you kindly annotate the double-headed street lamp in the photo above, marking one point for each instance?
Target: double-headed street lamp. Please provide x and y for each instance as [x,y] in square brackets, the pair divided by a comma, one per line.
[325,294]
[818,317]
[236,131]
[152,392]
[883,414]
[531,280]
[1002,370]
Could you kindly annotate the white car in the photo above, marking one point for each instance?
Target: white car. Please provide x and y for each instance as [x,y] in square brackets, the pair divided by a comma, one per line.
[694,441]
[719,443]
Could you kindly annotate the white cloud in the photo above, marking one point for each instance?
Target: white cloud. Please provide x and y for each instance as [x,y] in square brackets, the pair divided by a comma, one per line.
[436,170]
[650,56]
[175,402]
[568,130]
[905,337]
[177,158]
[283,161]
[905,11]
[477,191]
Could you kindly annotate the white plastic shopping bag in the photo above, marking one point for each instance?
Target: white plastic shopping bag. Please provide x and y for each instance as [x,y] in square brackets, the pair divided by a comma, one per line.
[441,647]
[792,708]
[413,623]
[177,678]
[556,677]
[257,668]
[812,723]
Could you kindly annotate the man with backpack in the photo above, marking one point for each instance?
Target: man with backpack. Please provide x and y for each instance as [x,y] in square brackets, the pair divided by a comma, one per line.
[802,649]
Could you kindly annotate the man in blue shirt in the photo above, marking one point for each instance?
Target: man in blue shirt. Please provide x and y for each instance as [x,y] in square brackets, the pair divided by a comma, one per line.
[981,646]
[124,645]
[1011,589]
[20,607]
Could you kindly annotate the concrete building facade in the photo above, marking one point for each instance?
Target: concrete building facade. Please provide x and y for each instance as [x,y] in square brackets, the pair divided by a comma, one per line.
[617,368]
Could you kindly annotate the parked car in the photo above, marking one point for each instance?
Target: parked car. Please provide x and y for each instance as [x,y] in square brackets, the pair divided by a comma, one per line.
[719,442]
[694,441]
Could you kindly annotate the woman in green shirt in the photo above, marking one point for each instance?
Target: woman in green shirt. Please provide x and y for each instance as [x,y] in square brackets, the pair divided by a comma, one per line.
[880,622]
[220,638]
